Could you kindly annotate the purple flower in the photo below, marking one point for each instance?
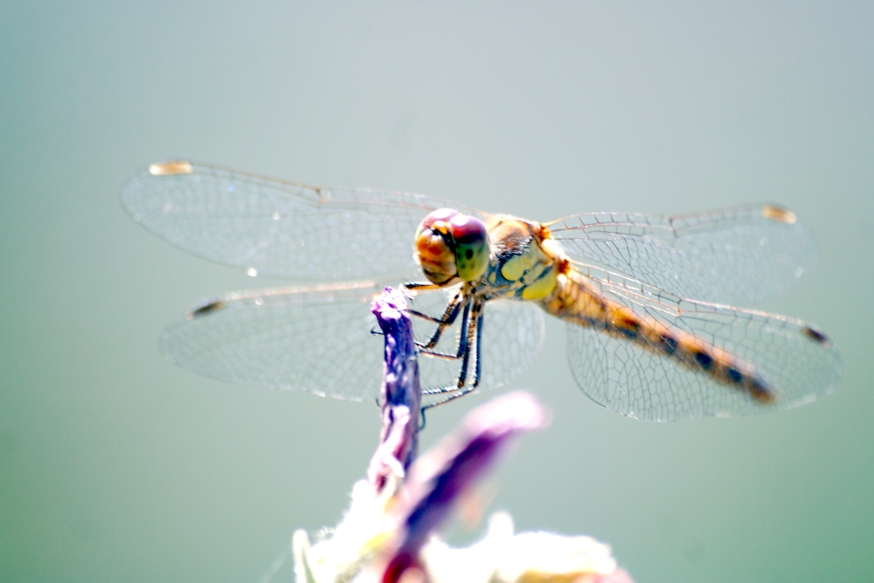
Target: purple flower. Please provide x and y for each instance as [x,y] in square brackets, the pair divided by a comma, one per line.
[389,533]
[438,479]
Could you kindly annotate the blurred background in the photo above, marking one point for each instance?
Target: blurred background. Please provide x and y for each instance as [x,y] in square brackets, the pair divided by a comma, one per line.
[117,466]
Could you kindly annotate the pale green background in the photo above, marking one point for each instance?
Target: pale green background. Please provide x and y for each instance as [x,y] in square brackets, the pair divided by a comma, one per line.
[117,466]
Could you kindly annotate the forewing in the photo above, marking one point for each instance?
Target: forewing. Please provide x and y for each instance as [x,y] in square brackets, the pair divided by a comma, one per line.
[279,229]
[316,339]
[743,255]
[319,339]
[791,356]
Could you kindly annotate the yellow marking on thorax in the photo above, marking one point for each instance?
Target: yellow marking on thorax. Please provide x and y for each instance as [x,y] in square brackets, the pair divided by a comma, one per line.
[530,270]
[515,268]
[542,287]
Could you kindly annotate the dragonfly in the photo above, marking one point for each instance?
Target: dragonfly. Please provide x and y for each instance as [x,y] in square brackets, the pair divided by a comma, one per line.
[649,300]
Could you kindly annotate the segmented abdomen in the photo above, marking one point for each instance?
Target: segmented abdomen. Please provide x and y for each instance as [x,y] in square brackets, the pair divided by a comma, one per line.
[575,301]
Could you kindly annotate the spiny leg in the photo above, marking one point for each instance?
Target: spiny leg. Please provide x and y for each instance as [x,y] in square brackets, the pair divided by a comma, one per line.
[461,388]
[463,342]
[420,286]
[450,314]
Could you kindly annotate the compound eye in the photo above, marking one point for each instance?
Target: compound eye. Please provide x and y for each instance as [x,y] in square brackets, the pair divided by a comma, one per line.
[435,249]
[438,217]
[471,246]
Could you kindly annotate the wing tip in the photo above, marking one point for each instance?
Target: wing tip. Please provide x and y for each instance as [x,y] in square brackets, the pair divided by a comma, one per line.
[207,308]
[779,214]
[816,335]
[171,168]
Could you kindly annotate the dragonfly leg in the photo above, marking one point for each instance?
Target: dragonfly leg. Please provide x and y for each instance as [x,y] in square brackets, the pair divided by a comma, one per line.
[478,314]
[462,388]
[463,342]
[450,314]
[420,286]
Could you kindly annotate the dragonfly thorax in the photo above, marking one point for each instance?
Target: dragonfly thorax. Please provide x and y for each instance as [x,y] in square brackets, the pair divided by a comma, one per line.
[525,262]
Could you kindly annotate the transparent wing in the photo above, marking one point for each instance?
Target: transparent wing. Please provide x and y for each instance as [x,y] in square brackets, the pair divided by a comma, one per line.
[319,339]
[279,229]
[790,356]
[315,339]
[743,255]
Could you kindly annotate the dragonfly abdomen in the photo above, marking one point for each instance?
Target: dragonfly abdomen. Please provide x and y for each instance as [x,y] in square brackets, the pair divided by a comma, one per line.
[578,303]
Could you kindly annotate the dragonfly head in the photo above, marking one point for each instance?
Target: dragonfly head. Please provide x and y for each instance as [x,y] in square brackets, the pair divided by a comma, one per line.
[452,246]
